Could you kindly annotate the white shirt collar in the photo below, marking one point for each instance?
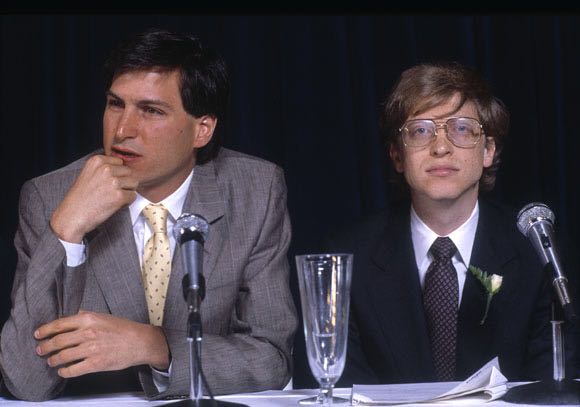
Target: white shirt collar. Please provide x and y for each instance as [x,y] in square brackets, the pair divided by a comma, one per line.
[173,203]
[462,237]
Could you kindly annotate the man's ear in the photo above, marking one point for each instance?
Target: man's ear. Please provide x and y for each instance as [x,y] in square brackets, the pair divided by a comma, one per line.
[397,157]
[488,152]
[204,131]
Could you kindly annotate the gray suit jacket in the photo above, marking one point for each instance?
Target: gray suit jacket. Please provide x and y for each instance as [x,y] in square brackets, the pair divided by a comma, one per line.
[248,315]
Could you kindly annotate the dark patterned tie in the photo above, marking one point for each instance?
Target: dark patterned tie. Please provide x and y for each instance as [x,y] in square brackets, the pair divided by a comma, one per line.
[440,299]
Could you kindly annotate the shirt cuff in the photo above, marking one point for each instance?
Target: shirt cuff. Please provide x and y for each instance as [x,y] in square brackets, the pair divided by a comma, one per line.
[76,253]
[161,379]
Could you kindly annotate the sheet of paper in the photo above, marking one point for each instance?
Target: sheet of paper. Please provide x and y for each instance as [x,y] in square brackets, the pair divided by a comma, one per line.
[484,385]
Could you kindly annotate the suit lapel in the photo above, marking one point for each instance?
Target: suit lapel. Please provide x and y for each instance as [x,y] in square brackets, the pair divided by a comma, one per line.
[204,198]
[397,298]
[117,269]
[494,254]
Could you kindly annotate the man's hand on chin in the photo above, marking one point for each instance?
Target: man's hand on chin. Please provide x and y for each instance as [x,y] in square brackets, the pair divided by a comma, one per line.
[91,342]
[103,187]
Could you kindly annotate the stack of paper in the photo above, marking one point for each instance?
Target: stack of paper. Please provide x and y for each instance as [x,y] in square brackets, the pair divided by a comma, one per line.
[484,385]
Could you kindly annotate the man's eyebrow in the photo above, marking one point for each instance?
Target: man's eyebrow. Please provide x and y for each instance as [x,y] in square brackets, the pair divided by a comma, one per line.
[144,102]
[154,102]
[112,94]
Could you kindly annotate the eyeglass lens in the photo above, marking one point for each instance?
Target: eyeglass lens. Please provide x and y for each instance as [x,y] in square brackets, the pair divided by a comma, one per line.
[461,131]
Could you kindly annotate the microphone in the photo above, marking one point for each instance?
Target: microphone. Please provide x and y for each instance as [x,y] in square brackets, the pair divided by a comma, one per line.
[536,222]
[190,232]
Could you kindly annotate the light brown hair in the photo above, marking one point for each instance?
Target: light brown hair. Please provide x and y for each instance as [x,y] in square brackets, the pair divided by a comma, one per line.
[426,86]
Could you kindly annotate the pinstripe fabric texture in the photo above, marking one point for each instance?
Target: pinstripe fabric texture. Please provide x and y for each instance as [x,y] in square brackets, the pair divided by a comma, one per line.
[248,315]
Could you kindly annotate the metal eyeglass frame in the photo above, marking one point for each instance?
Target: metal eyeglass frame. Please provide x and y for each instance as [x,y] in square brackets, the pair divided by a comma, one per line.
[435,134]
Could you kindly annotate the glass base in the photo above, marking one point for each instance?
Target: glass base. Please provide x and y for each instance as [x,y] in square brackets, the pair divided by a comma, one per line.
[320,400]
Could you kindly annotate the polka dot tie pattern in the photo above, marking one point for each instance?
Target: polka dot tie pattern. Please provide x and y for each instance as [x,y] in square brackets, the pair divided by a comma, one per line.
[440,301]
[156,262]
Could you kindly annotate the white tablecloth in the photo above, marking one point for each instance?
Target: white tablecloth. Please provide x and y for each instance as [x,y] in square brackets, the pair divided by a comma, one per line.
[279,398]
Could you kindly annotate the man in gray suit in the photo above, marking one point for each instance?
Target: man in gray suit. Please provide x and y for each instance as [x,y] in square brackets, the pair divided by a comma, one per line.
[80,316]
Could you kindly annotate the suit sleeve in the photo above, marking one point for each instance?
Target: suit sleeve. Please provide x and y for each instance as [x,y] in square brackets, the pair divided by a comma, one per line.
[357,369]
[38,296]
[256,354]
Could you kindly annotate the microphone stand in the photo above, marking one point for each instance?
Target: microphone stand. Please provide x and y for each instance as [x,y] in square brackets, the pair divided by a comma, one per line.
[559,390]
[193,297]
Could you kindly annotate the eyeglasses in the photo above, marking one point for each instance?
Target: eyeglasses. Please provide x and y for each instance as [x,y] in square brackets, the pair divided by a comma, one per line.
[463,132]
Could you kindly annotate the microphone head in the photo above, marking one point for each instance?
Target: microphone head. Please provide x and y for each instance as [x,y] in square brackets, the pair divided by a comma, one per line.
[532,213]
[187,224]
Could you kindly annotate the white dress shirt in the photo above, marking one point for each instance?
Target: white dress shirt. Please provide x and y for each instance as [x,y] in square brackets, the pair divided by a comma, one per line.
[76,254]
[463,237]
[141,229]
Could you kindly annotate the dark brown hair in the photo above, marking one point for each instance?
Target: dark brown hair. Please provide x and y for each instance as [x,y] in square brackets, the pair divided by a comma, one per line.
[204,77]
[426,86]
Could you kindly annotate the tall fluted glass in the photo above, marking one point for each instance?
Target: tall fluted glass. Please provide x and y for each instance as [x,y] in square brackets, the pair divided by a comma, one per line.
[324,281]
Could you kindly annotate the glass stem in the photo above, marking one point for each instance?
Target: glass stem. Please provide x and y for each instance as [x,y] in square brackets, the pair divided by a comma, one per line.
[325,395]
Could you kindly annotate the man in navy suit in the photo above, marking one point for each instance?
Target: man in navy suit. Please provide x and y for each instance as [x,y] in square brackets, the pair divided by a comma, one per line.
[444,131]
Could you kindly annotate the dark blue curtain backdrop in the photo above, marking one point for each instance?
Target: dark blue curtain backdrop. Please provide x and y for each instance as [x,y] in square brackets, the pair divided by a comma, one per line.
[306,94]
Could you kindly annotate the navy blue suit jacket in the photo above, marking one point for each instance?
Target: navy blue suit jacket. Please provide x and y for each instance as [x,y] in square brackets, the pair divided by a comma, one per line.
[388,339]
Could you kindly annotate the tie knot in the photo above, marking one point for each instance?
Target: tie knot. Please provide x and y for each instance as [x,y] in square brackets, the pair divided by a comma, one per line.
[156,215]
[443,248]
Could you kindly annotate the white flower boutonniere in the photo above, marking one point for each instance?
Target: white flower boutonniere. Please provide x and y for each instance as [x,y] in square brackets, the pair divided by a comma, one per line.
[492,285]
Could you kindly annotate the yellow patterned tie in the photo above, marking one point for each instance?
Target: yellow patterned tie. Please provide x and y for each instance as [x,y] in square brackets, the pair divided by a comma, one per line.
[156,262]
